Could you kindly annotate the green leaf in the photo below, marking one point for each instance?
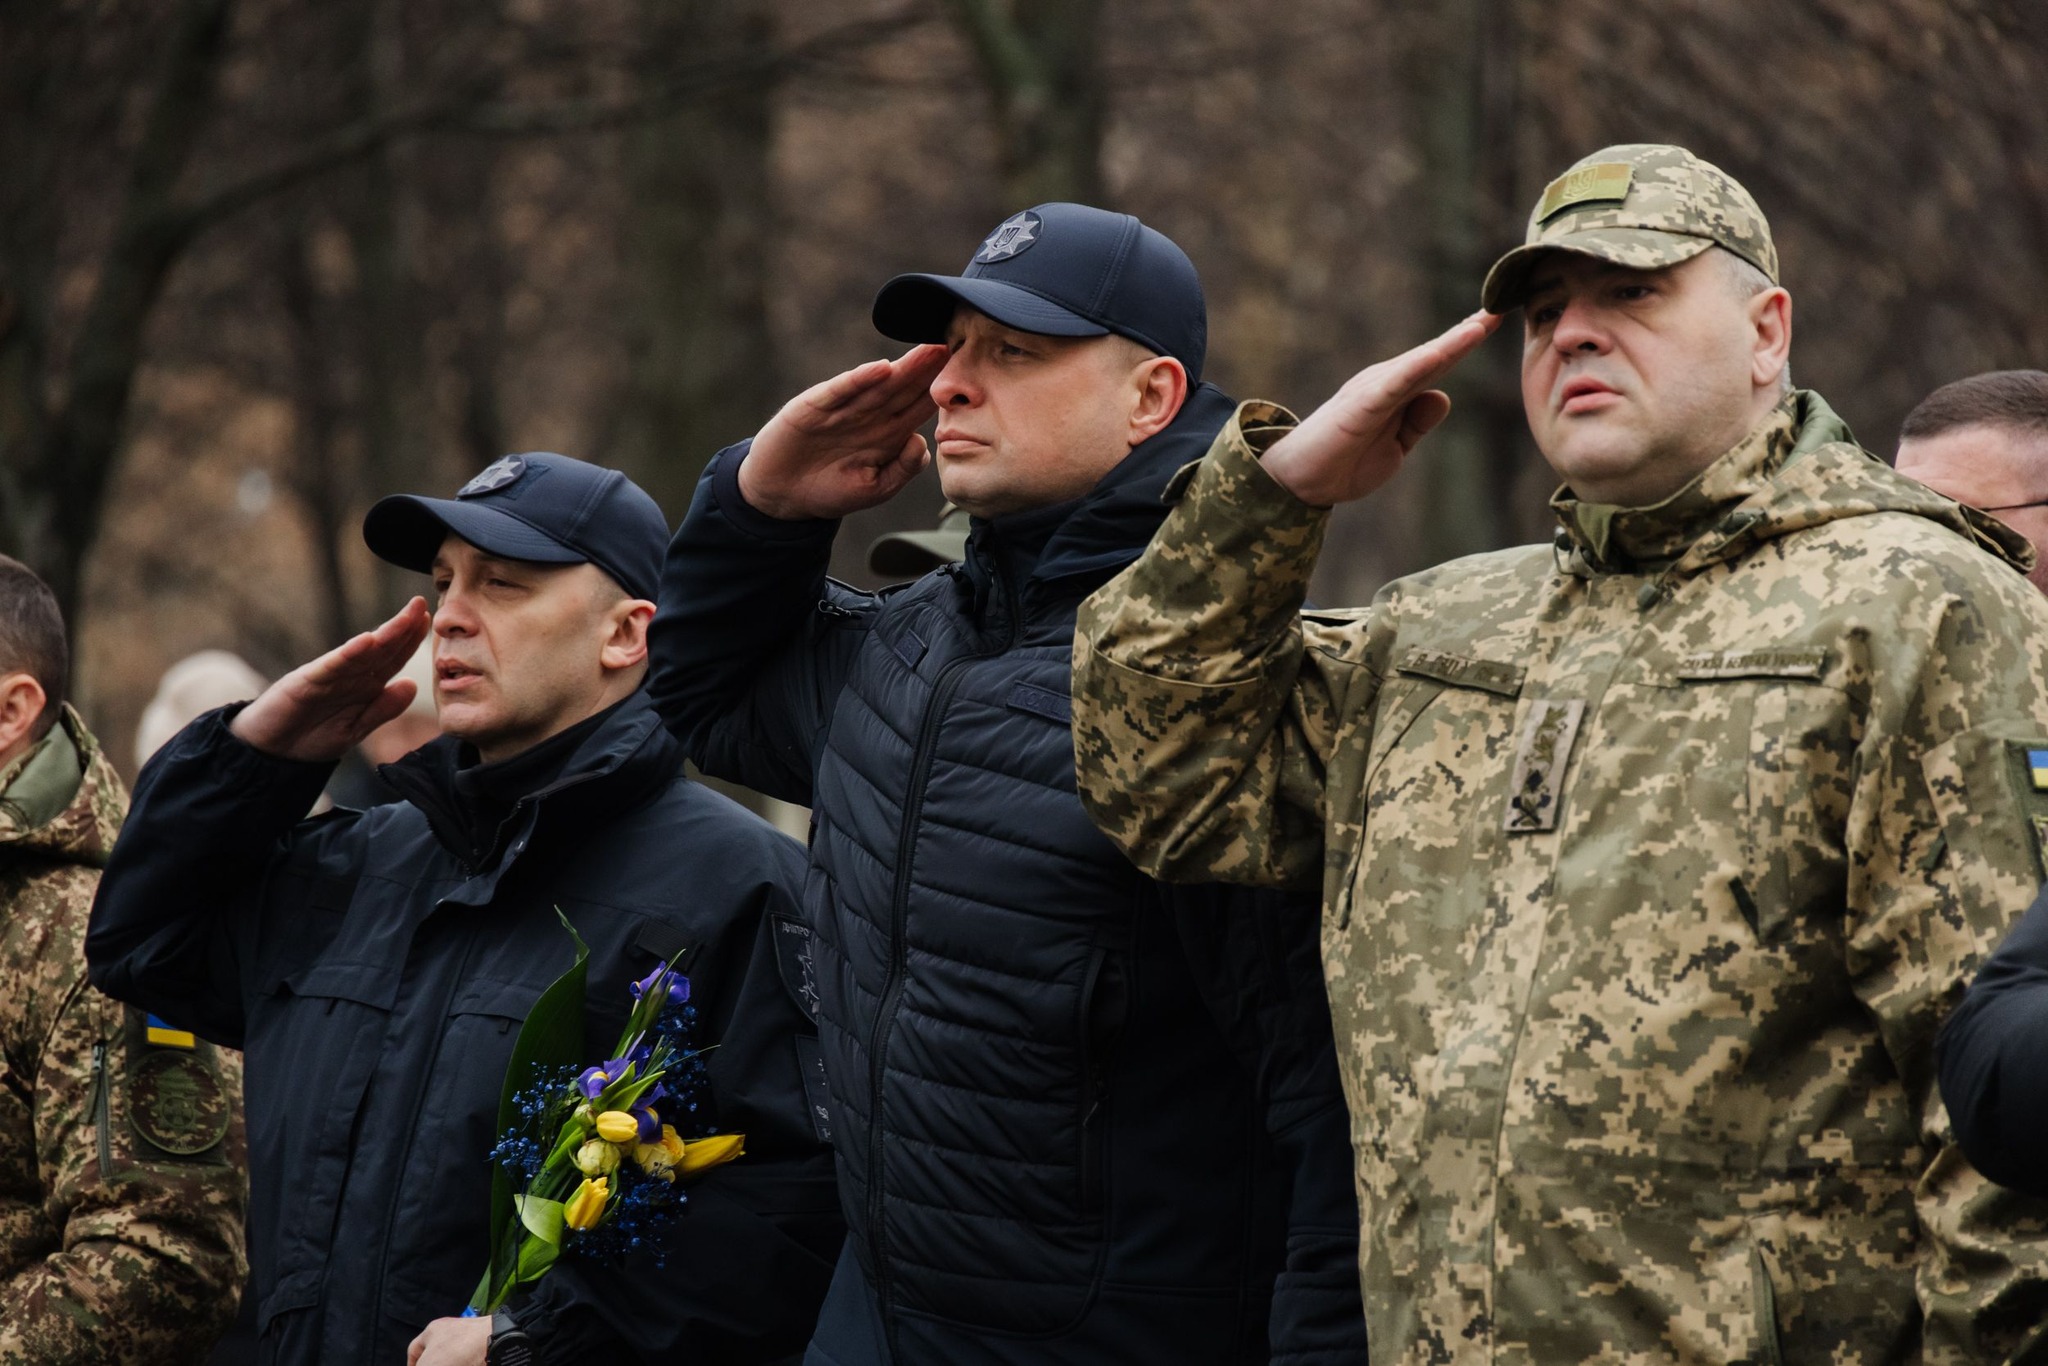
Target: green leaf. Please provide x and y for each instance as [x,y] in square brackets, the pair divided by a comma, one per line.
[535,1257]
[543,1218]
[551,1037]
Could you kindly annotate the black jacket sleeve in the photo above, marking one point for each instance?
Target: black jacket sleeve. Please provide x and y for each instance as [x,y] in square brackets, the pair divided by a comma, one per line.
[742,1270]
[176,924]
[1258,964]
[752,641]
[1990,1058]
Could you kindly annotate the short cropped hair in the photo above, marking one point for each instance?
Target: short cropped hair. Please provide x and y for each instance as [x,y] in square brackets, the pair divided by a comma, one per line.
[1747,282]
[32,639]
[1998,398]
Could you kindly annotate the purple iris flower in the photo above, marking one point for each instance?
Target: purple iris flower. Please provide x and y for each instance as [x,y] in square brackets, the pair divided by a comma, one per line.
[678,985]
[595,1079]
[650,1123]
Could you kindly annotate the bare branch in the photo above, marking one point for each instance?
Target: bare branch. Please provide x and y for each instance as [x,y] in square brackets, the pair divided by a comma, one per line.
[487,118]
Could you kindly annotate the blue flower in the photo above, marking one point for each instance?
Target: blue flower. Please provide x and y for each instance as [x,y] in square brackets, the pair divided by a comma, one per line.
[595,1079]
[650,1123]
[678,985]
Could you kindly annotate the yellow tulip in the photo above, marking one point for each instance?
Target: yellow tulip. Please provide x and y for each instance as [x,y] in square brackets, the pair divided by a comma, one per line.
[702,1154]
[654,1159]
[586,1206]
[617,1126]
[671,1142]
[596,1157]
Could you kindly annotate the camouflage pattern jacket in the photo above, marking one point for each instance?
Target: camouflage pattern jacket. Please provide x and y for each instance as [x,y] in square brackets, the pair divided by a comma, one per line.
[1651,862]
[121,1182]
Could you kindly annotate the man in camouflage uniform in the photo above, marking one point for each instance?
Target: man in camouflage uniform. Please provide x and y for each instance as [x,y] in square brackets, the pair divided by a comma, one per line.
[1651,858]
[121,1182]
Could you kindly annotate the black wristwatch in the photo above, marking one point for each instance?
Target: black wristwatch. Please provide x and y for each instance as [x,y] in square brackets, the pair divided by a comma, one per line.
[509,1344]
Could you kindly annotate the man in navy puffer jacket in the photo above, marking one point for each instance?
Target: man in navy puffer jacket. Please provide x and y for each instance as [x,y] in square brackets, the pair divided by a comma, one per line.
[1080,1116]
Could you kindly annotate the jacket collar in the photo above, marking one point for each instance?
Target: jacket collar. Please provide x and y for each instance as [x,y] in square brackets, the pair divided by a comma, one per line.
[1083,544]
[1799,468]
[62,800]
[611,767]
[1651,539]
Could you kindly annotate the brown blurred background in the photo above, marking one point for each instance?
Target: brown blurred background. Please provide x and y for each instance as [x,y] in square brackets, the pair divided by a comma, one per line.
[264,260]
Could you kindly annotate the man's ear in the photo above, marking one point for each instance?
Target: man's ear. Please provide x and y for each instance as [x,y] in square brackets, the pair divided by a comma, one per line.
[21,706]
[1161,387]
[1770,313]
[626,646]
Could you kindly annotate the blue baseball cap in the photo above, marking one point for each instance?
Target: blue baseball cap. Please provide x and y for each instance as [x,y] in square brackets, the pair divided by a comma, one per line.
[539,507]
[1064,270]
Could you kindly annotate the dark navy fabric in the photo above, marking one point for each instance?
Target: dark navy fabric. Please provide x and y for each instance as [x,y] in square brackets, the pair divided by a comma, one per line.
[1993,1057]
[1080,1116]
[1064,270]
[376,978]
[543,507]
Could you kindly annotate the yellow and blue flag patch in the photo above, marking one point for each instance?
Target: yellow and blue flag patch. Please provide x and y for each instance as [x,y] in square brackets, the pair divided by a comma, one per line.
[2037,768]
[170,1036]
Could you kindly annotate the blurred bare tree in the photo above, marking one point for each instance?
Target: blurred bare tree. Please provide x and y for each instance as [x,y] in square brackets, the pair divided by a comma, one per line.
[67,368]
[1041,62]
[262,261]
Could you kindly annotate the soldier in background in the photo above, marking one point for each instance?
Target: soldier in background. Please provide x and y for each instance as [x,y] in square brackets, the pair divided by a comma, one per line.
[1983,441]
[121,1179]
[1652,857]
[193,686]
[913,554]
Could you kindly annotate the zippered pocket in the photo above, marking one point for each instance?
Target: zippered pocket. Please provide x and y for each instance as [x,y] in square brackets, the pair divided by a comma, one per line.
[1102,1012]
[102,1107]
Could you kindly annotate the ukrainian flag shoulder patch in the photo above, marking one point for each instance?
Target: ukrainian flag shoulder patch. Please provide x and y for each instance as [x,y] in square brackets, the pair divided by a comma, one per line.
[2037,768]
[165,1035]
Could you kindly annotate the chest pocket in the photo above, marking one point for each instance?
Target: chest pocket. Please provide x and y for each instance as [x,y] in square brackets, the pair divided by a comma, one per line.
[1443,735]
[1795,758]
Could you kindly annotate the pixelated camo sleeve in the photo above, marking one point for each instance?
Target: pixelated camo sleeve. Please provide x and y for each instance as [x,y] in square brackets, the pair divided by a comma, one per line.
[140,1148]
[1202,723]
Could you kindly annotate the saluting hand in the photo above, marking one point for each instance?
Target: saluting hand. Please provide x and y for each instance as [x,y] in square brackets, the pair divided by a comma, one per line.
[319,711]
[1357,440]
[847,444]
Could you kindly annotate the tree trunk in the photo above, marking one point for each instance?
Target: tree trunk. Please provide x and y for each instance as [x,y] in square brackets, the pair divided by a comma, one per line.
[1464,95]
[697,238]
[319,477]
[54,494]
[395,441]
[1041,60]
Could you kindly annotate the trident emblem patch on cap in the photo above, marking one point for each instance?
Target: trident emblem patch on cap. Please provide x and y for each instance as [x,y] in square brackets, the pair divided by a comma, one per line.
[500,473]
[1016,234]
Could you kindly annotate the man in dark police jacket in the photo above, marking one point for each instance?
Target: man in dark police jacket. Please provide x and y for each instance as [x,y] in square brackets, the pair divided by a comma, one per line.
[1081,1117]
[375,966]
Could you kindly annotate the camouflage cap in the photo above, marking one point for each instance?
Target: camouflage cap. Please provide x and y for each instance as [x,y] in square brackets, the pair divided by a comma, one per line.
[1645,205]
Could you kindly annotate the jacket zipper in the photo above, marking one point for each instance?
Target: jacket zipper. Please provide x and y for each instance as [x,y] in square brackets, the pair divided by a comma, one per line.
[101,1104]
[1094,1083]
[943,688]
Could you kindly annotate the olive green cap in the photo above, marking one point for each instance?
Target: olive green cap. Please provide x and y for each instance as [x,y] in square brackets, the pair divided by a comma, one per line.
[908,554]
[1642,205]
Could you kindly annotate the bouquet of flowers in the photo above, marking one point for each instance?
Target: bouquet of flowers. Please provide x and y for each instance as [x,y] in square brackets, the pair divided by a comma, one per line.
[590,1160]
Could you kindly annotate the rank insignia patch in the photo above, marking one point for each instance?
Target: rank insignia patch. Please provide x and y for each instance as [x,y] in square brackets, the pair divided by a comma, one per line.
[1537,779]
